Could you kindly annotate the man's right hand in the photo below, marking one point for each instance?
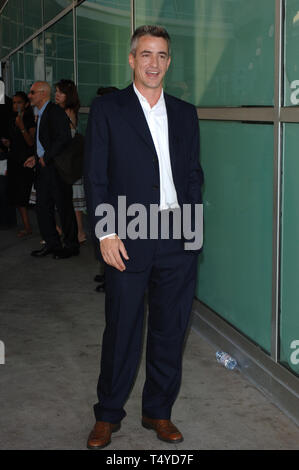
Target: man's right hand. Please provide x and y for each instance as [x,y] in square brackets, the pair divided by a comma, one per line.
[111,247]
[30,162]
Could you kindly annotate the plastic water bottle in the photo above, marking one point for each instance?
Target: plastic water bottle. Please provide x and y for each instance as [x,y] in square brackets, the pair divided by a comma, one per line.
[225,359]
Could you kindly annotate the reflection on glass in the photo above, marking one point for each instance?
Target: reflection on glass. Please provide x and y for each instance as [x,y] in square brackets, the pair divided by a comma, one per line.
[223,51]
[34,61]
[289,331]
[59,50]
[103,37]
[291,90]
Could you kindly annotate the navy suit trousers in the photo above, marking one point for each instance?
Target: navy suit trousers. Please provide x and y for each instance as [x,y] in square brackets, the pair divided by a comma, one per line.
[51,191]
[170,282]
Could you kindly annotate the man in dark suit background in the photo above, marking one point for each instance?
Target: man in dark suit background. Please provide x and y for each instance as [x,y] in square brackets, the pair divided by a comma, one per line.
[52,136]
[143,144]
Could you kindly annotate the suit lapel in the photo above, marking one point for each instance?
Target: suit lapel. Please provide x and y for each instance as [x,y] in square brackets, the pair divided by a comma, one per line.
[134,115]
[43,120]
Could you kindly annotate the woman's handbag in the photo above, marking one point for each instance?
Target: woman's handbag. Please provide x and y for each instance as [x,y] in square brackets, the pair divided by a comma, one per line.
[69,163]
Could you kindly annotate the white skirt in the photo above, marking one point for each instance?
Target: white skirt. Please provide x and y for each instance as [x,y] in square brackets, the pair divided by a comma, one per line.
[79,201]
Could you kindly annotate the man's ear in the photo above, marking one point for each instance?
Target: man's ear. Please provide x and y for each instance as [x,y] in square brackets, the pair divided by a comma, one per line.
[132,61]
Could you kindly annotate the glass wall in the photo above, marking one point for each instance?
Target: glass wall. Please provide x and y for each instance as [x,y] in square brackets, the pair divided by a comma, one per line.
[32,11]
[235,267]
[20,19]
[12,27]
[34,61]
[53,8]
[223,51]
[103,34]
[291,76]
[59,50]
[17,71]
[289,329]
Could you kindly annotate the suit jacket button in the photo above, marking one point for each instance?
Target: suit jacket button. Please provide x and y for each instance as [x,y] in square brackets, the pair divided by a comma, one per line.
[155,186]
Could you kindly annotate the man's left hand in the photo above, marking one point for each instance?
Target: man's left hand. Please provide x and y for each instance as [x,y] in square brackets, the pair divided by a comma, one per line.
[30,162]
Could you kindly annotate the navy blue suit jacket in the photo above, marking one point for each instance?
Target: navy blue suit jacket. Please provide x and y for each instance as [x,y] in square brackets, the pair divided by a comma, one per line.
[54,131]
[121,160]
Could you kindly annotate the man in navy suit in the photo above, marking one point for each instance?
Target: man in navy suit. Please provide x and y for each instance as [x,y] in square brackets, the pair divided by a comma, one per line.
[143,144]
[52,137]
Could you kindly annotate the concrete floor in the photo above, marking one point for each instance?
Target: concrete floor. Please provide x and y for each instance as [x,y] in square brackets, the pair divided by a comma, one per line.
[51,323]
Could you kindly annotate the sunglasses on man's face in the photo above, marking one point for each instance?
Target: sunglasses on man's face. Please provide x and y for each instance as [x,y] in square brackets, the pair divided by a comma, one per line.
[32,92]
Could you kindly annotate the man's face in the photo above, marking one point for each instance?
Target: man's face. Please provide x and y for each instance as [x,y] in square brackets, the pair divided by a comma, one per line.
[36,95]
[150,62]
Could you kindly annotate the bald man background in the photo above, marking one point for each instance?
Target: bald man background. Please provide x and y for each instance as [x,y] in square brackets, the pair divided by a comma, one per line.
[52,135]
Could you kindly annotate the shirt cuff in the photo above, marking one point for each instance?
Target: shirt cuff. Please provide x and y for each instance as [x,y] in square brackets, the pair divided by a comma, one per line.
[106,236]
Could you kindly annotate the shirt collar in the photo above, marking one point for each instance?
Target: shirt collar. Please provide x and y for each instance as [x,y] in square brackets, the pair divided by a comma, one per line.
[41,110]
[143,100]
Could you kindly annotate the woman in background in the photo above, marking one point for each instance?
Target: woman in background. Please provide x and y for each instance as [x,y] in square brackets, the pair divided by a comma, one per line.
[21,146]
[66,96]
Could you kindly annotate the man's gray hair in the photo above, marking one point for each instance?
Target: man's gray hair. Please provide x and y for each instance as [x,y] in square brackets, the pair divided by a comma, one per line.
[149,30]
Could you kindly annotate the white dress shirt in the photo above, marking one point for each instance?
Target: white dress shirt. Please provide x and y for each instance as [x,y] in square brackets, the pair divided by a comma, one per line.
[156,118]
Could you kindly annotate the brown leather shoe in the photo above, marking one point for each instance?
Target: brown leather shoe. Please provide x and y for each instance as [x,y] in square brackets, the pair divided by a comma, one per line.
[166,430]
[100,436]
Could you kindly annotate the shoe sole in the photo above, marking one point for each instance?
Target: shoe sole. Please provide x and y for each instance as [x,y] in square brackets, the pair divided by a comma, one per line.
[170,441]
[105,445]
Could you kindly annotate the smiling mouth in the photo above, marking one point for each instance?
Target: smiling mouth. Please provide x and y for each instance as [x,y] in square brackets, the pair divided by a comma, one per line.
[152,74]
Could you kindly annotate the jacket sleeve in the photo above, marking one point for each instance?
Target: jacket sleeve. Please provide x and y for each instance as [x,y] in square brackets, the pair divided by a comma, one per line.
[196,177]
[195,182]
[60,133]
[96,160]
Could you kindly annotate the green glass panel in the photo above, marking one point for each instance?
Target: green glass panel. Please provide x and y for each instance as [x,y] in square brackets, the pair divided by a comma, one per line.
[59,50]
[32,10]
[289,325]
[53,8]
[235,267]
[103,37]
[222,50]
[291,82]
